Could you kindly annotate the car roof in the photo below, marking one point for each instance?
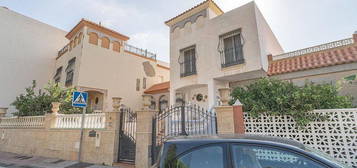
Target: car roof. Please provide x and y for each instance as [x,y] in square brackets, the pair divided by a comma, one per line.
[200,140]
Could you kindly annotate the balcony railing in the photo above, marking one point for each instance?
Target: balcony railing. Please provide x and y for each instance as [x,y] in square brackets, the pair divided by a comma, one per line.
[139,51]
[63,50]
[318,48]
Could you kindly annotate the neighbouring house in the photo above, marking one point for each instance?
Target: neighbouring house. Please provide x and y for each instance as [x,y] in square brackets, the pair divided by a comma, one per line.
[27,50]
[90,57]
[99,61]
[210,49]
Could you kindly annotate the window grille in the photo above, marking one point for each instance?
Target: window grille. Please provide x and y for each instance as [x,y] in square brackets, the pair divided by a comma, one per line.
[70,72]
[231,49]
[187,61]
[57,77]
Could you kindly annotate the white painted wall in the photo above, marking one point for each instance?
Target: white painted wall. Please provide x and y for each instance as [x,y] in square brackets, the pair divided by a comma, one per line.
[28,49]
[115,73]
[204,33]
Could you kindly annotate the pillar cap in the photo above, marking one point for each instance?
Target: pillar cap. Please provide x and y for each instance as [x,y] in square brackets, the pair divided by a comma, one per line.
[237,103]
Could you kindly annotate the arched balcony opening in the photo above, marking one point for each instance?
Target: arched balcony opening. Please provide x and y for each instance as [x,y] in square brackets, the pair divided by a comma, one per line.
[105,42]
[93,38]
[116,46]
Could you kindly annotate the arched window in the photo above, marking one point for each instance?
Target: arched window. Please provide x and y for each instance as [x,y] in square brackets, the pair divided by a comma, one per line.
[105,42]
[80,37]
[116,46]
[93,38]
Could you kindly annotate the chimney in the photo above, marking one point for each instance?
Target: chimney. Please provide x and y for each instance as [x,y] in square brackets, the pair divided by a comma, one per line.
[270,58]
[355,37]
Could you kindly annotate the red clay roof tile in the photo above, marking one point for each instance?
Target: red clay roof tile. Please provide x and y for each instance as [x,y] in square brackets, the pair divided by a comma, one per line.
[334,56]
[158,88]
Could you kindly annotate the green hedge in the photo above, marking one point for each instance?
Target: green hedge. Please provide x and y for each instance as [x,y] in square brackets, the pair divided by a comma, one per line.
[277,97]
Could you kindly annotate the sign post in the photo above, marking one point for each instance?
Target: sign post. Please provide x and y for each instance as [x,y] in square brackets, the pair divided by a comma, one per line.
[79,99]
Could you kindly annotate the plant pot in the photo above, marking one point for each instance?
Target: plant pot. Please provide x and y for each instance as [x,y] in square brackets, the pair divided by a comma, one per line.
[55,107]
[224,94]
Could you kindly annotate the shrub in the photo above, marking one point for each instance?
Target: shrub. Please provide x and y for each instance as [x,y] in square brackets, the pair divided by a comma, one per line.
[277,97]
[32,104]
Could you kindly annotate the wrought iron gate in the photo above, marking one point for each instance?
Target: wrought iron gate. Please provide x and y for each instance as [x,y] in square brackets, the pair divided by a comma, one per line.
[127,136]
[182,120]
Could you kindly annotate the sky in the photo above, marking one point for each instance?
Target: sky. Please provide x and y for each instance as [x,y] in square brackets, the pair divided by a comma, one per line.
[297,24]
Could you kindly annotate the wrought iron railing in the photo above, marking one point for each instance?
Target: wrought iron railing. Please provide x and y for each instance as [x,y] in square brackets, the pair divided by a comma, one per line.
[139,51]
[313,49]
[232,56]
[63,50]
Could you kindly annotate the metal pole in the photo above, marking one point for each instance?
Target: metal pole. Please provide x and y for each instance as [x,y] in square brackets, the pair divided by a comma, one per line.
[82,130]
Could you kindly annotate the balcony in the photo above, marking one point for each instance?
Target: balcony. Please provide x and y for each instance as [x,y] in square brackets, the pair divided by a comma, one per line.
[63,50]
[139,51]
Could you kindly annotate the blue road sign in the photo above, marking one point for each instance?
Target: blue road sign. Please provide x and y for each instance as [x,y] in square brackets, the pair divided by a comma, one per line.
[79,99]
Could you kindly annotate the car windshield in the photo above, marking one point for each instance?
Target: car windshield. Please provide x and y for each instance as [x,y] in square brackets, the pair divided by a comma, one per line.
[326,156]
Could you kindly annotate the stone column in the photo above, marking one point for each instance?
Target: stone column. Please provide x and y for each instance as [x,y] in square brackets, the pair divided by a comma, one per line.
[225,117]
[112,121]
[50,118]
[355,37]
[144,134]
[230,119]
[3,111]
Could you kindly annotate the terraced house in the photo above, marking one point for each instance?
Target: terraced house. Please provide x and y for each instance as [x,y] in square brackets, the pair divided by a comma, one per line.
[210,49]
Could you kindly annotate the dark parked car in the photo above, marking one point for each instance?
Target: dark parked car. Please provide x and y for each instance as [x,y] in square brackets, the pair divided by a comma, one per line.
[241,151]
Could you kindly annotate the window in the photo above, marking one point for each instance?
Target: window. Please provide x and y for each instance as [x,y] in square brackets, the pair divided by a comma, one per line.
[232,49]
[261,157]
[187,61]
[144,83]
[70,72]
[105,42]
[116,46]
[137,84]
[206,157]
[57,77]
[93,38]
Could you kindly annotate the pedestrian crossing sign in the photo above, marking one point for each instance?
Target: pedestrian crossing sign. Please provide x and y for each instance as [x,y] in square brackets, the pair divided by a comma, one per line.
[79,99]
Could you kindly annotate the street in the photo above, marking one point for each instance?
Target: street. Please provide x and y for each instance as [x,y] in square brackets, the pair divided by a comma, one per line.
[11,160]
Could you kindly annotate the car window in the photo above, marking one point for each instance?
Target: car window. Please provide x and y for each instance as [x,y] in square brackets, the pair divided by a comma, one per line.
[246,156]
[205,157]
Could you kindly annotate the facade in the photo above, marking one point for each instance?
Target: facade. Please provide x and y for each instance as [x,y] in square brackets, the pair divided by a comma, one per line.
[90,57]
[210,49]
[27,50]
[99,61]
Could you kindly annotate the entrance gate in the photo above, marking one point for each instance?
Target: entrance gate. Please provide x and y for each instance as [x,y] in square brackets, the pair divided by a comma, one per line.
[127,136]
[182,120]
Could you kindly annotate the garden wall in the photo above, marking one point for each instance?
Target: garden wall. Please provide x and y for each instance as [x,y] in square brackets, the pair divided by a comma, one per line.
[337,136]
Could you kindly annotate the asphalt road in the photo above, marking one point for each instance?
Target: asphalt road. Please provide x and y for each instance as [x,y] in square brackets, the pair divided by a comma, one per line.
[11,160]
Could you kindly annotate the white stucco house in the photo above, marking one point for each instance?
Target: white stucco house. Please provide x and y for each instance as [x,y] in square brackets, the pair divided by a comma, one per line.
[90,57]
[210,49]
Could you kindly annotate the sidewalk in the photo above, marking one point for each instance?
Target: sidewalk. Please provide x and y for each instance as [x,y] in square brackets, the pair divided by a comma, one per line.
[11,160]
